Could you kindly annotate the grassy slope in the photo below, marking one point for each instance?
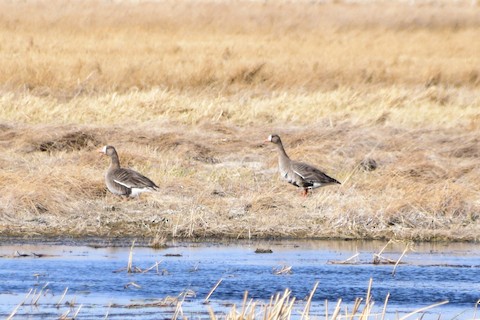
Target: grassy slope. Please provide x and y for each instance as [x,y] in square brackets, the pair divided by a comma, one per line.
[189,101]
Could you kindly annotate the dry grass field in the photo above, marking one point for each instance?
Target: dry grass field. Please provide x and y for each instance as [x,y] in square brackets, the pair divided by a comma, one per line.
[187,91]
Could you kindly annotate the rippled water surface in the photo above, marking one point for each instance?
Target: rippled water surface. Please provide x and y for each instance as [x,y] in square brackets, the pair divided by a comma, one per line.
[97,284]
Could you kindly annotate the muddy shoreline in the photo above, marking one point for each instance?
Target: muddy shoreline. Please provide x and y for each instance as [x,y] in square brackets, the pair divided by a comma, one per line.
[121,242]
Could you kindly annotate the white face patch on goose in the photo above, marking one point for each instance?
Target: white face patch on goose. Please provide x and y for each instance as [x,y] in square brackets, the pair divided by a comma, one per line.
[104,149]
[270,138]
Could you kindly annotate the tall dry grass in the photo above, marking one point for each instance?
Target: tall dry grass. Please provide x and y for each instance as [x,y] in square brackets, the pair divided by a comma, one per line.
[187,92]
[68,49]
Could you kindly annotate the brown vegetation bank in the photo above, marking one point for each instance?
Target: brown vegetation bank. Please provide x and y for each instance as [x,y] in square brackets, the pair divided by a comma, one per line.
[187,91]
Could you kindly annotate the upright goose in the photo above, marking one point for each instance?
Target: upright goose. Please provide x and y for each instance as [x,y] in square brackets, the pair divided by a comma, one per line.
[122,181]
[299,174]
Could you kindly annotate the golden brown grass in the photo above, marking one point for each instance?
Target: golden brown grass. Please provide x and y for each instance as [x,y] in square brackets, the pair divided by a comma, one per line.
[187,92]
[69,49]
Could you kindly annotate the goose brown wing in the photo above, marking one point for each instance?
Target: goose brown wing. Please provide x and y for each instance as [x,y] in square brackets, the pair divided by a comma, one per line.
[311,174]
[132,179]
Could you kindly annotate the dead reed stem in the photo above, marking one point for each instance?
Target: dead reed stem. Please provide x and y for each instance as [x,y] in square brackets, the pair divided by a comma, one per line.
[326,309]
[356,307]
[369,294]
[384,311]
[211,313]
[178,308]
[337,309]
[62,297]
[407,247]
[211,291]
[19,305]
[282,306]
[154,266]
[423,309]
[35,300]
[130,258]
[64,315]
[75,316]
[306,310]
[245,296]
[368,304]
[108,312]
[133,284]
[384,247]
[476,308]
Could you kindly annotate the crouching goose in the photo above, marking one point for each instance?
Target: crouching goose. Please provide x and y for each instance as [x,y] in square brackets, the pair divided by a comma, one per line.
[122,181]
[299,174]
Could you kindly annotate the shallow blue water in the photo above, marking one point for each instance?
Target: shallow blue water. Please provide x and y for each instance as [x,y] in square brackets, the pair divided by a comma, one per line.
[431,274]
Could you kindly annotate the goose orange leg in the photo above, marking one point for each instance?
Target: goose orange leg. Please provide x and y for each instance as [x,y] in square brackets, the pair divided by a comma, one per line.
[305,192]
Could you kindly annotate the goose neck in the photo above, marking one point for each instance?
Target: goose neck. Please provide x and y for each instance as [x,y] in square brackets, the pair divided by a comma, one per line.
[115,161]
[282,154]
